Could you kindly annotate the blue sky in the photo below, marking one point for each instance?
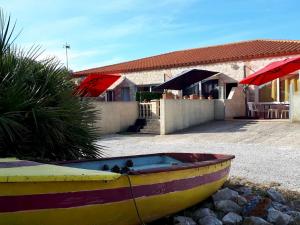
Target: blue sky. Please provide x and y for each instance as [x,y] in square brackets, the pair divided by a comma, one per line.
[106,32]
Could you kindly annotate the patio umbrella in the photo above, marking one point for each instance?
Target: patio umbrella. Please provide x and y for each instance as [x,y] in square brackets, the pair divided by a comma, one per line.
[273,71]
[95,84]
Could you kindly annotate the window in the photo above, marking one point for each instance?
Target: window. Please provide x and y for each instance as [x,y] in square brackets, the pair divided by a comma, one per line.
[110,96]
[279,89]
[284,86]
[125,94]
[143,88]
[193,89]
[268,92]
[210,88]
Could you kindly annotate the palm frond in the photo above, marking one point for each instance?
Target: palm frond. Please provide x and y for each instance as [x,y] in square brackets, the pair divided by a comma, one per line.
[39,116]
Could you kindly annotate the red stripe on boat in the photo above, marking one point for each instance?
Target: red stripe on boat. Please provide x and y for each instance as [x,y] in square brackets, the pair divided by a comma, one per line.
[82,198]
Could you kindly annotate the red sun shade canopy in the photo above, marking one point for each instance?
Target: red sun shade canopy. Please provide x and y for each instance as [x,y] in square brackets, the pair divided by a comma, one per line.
[273,71]
[95,84]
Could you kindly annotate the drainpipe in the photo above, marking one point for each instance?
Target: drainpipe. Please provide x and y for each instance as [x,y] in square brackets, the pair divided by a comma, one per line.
[245,91]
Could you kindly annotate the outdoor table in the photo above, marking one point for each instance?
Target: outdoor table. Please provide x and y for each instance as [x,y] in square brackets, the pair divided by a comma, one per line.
[264,106]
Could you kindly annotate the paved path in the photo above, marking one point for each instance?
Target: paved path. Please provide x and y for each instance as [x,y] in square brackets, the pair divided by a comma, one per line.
[266,151]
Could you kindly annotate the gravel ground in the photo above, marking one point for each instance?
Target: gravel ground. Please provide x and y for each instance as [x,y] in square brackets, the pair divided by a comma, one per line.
[266,151]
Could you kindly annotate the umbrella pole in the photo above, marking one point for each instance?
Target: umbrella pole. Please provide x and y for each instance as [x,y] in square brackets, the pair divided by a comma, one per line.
[245,89]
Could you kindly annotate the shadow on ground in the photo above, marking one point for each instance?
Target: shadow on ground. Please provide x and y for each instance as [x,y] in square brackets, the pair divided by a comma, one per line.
[220,127]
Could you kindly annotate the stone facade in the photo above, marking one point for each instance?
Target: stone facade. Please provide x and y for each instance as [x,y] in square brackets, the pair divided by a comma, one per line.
[234,71]
[230,72]
[146,77]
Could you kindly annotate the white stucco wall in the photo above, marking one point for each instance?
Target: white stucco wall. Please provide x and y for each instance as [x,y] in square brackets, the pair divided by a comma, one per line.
[235,106]
[294,104]
[179,114]
[219,109]
[115,116]
[296,108]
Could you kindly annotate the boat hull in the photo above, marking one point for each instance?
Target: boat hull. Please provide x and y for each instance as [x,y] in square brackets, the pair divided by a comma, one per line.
[109,202]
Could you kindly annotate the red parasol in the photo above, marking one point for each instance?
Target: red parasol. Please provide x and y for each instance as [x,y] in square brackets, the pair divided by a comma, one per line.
[95,84]
[273,71]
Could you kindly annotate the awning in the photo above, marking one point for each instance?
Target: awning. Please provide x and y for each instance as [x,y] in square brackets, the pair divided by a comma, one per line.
[273,71]
[185,79]
[95,84]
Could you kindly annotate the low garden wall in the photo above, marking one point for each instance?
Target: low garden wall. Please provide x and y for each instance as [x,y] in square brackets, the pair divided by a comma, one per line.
[114,117]
[232,107]
[295,107]
[219,110]
[183,113]
[235,104]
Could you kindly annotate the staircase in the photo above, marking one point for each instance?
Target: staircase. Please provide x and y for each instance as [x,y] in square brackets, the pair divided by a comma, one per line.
[152,126]
[138,125]
[148,121]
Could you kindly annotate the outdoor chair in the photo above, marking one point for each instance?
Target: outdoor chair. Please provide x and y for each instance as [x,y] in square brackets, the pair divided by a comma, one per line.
[252,109]
[273,112]
[284,112]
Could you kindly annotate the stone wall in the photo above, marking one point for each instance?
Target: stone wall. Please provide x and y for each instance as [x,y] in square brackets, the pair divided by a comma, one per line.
[180,114]
[114,117]
[230,72]
[146,77]
[234,71]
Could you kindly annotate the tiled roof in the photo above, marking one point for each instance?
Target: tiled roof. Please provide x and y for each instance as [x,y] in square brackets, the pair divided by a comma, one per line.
[213,54]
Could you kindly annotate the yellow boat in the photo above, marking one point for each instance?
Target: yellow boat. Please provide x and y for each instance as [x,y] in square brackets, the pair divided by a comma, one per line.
[141,189]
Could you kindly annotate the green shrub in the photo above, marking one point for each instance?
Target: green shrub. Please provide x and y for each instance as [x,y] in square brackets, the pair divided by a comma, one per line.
[40,119]
[141,96]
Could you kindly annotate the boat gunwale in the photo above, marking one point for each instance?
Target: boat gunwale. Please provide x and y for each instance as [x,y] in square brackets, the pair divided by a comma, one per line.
[183,166]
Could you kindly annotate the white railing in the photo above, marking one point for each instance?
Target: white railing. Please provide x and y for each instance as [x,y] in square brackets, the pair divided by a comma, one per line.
[149,110]
[145,110]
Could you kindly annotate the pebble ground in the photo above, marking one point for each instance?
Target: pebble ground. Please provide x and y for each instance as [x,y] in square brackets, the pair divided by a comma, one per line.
[266,151]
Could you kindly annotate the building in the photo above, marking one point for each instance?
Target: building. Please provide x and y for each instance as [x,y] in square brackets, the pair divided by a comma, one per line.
[232,61]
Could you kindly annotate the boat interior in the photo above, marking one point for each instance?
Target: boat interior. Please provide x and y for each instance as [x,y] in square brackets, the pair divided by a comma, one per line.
[154,162]
[123,165]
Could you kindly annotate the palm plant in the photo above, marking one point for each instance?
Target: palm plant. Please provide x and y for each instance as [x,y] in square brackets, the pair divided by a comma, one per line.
[40,118]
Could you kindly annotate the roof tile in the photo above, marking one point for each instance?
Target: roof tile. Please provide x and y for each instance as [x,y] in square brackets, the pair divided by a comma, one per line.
[213,54]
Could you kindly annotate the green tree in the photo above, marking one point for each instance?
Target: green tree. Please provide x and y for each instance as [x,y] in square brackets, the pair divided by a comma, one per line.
[40,118]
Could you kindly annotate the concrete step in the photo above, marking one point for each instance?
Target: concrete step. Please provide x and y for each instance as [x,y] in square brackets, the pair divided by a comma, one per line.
[152,127]
[152,121]
[149,131]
